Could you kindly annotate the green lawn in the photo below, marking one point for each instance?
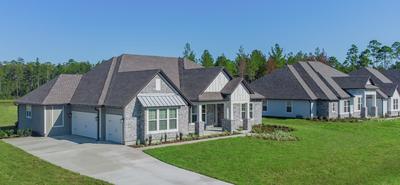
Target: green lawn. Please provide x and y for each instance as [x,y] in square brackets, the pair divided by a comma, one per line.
[18,167]
[8,113]
[327,153]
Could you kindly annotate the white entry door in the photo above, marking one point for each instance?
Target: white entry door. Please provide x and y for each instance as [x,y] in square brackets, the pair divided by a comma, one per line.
[84,124]
[114,128]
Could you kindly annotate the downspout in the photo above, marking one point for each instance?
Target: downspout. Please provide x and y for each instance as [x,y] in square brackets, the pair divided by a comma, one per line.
[98,121]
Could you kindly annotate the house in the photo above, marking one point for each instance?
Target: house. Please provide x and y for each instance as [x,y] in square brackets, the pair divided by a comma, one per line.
[388,83]
[132,98]
[316,90]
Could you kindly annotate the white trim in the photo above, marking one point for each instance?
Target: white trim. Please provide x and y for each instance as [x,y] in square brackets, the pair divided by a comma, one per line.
[158,131]
[26,111]
[289,102]
[252,111]
[205,113]
[44,113]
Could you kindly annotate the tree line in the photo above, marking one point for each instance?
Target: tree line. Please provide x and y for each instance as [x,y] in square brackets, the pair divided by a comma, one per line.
[256,64]
[18,77]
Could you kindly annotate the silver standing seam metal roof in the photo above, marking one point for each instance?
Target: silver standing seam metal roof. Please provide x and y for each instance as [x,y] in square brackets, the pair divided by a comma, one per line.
[160,100]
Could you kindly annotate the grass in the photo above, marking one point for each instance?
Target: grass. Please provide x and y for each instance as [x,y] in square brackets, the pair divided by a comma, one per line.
[327,153]
[18,167]
[8,113]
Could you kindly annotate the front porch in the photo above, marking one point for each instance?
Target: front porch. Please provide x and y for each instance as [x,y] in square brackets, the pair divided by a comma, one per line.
[216,117]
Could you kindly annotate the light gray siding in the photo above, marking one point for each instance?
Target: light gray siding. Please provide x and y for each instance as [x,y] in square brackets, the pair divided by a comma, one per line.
[300,108]
[54,121]
[36,123]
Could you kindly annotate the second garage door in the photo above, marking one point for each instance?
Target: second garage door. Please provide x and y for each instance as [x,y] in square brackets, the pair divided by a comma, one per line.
[84,124]
[114,128]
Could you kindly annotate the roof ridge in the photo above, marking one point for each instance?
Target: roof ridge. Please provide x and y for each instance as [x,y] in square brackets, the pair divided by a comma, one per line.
[302,83]
[106,86]
[314,76]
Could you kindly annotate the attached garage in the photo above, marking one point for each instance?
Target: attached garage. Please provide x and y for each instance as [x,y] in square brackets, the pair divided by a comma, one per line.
[114,128]
[84,124]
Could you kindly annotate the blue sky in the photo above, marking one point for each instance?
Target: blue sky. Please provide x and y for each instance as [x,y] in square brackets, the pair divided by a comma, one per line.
[95,30]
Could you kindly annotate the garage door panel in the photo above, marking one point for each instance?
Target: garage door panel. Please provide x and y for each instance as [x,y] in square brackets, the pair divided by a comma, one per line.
[114,128]
[84,124]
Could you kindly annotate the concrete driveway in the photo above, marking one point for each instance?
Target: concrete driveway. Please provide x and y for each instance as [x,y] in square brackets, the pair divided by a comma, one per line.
[116,164]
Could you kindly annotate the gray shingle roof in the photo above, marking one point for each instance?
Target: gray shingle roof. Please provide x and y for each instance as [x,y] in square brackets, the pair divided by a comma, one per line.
[118,80]
[378,79]
[168,64]
[354,82]
[281,84]
[57,91]
[195,81]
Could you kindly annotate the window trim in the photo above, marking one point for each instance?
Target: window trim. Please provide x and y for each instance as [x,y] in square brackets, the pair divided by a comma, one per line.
[251,111]
[395,104]
[359,106]
[243,111]
[265,104]
[289,104]
[157,131]
[348,106]
[194,113]
[28,116]
[203,115]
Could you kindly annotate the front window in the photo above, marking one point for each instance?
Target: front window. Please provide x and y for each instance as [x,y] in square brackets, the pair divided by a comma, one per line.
[152,120]
[358,103]
[162,119]
[243,110]
[289,106]
[194,114]
[346,106]
[251,110]
[395,104]
[265,106]
[333,107]
[203,113]
[28,111]
[173,117]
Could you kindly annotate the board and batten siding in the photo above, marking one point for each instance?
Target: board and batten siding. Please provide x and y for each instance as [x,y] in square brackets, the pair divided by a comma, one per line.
[219,82]
[240,94]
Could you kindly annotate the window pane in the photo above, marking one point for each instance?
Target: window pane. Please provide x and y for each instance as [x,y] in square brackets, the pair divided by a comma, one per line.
[243,107]
[203,109]
[163,124]
[264,108]
[203,117]
[152,125]
[152,114]
[243,115]
[194,118]
[172,124]
[194,109]
[172,113]
[163,113]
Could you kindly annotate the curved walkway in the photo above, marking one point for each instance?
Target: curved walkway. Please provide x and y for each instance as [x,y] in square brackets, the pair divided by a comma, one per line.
[116,164]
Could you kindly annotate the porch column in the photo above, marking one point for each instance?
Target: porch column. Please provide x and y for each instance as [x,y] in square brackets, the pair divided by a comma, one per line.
[246,122]
[374,108]
[199,125]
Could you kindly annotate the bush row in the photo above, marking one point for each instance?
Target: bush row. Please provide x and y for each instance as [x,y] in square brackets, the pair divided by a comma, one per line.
[7,133]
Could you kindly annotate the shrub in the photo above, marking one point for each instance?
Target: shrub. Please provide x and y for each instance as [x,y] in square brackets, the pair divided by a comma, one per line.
[270,128]
[3,134]
[277,136]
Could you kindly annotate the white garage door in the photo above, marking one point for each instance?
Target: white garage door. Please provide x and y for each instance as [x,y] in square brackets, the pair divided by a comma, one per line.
[84,124]
[114,128]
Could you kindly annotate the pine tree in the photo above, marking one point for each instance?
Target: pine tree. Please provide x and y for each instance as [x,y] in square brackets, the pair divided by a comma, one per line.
[206,59]
[189,53]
